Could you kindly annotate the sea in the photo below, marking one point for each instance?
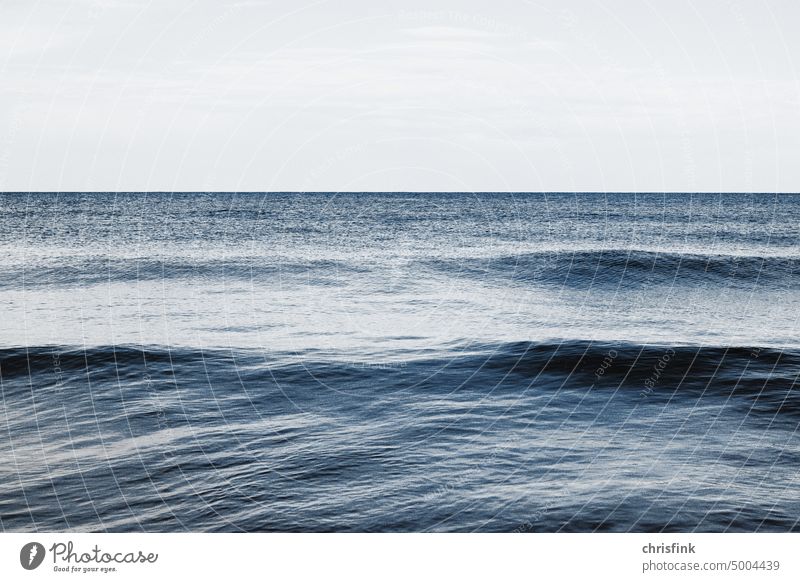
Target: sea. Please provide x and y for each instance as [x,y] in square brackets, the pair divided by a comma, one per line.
[399,362]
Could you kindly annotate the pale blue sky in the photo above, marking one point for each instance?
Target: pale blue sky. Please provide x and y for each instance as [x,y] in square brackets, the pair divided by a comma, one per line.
[356,95]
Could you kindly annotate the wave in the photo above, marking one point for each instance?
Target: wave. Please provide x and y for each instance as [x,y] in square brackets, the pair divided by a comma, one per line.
[621,267]
[88,271]
[111,428]
[616,365]
[602,269]
[767,374]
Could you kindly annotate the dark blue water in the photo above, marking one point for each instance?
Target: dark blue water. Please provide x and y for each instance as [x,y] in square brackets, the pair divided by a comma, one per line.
[399,362]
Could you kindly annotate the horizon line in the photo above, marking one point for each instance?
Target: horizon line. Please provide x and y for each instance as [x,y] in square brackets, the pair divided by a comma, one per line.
[648,192]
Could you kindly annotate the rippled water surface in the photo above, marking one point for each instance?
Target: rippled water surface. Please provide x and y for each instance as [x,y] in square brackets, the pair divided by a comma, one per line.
[399,362]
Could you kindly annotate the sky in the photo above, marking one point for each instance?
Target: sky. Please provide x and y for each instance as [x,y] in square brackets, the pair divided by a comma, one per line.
[353,95]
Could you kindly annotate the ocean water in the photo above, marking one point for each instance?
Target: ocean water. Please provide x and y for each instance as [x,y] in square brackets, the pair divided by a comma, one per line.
[399,362]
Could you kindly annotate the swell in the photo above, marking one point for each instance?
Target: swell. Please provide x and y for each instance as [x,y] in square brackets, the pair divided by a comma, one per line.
[625,364]
[173,439]
[602,268]
[619,267]
[91,271]
[765,373]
